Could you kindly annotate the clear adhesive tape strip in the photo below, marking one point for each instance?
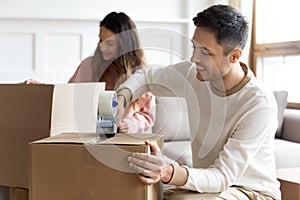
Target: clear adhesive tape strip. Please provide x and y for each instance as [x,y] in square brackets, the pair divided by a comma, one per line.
[107,103]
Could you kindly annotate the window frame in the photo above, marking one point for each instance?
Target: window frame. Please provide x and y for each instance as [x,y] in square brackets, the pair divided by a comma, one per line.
[270,49]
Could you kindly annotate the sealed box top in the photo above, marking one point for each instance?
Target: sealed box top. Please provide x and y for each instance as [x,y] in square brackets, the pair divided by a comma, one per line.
[94,138]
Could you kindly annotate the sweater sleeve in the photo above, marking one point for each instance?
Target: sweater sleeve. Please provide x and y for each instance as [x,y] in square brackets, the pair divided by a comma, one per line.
[138,79]
[84,72]
[161,81]
[73,78]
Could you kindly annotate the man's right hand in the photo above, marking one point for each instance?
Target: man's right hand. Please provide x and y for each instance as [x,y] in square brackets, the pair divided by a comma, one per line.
[122,126]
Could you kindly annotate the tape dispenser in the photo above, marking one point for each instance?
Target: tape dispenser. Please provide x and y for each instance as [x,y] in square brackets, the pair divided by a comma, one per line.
[107,110]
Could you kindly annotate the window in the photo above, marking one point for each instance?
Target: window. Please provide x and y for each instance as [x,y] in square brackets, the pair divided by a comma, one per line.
[276,46]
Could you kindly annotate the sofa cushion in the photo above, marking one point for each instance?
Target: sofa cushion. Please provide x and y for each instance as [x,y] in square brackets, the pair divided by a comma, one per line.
[172,118]
[286,154]
[291,125]
[281,98]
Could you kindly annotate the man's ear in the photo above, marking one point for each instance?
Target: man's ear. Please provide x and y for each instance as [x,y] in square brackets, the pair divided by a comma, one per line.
[235,55]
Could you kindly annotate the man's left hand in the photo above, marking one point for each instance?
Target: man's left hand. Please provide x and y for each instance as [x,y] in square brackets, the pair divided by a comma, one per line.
[150,168]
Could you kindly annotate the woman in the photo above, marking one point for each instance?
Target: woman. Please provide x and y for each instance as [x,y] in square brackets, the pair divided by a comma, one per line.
[117,56]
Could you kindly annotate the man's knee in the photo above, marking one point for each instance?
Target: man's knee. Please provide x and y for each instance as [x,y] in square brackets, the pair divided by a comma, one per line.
[180,194]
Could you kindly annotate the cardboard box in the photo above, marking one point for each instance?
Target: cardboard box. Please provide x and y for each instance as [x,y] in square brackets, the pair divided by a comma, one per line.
[4,192]
[18,194]
[32,112]
[289,183]
[25,116]
[67,166]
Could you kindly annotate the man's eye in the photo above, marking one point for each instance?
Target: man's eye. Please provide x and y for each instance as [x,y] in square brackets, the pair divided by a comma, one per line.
[203,52]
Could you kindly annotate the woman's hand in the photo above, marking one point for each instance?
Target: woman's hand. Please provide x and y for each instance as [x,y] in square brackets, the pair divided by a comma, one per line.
[31,81]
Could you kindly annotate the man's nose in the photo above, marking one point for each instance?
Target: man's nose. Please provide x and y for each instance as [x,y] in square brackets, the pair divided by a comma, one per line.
[195,57]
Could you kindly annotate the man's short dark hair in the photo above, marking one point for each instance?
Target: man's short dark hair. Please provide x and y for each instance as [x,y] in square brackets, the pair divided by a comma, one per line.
[230,26]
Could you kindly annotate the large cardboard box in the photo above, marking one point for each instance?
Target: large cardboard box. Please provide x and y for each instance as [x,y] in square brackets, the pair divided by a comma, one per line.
[70,166]
[32,112]
[25,116]
[289,183]
[18,194]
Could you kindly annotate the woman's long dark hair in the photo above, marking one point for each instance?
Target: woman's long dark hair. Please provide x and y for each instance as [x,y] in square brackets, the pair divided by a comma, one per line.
[130,55]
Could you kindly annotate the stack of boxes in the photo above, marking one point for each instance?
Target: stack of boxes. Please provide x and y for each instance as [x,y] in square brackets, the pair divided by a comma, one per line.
[44,130]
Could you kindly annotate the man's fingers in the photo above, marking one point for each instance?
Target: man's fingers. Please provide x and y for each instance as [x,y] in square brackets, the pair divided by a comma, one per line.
[154,147]
[147,179]
[143,165]
[136,167]
[123,127]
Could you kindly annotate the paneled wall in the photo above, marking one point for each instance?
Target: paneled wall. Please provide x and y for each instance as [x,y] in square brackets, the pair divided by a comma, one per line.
[46,40]
[47,50]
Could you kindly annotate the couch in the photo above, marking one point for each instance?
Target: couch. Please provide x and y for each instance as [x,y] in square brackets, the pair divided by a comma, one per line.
[173,123]
[287,143]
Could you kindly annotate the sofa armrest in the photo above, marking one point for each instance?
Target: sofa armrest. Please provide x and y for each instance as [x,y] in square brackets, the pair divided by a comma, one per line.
[291,125]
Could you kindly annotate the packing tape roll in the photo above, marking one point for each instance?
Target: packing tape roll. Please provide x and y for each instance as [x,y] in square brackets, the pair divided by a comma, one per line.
[107,103]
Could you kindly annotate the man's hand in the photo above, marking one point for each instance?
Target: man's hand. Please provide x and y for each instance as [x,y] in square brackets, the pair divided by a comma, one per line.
[138,116]
[122,126]
[151,168]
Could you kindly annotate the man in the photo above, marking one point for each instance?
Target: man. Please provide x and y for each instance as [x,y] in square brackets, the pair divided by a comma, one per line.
[233,117]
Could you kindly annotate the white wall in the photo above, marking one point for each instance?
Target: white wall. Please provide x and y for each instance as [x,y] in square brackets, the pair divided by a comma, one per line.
[46,39]
[91,9]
